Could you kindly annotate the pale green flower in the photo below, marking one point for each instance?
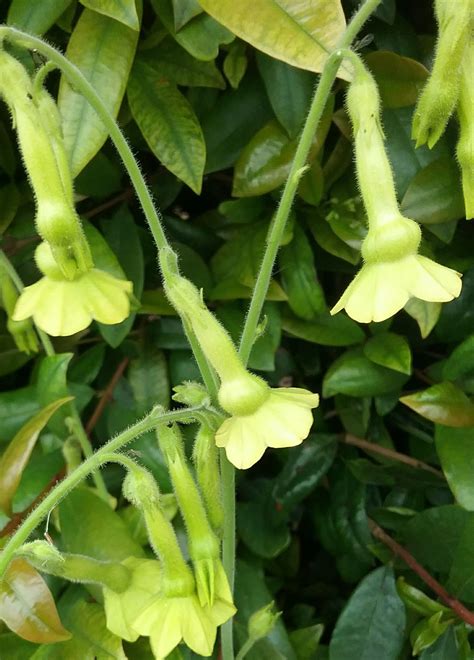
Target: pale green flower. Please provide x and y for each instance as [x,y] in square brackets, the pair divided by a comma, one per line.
[282,419]
[380,290]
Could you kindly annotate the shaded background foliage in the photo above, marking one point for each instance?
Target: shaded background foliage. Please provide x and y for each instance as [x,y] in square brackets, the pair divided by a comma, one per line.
[214,123]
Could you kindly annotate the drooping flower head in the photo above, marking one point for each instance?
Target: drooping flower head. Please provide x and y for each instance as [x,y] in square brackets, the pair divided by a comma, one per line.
[261,417]
[393,271]
[62,306]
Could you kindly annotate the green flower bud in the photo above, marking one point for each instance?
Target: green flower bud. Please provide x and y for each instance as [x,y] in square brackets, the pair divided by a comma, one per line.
[191,394]
[76,568]
[206,463]
[440,95]
[262,622]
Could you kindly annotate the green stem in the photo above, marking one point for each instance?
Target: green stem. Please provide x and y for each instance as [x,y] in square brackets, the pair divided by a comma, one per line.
[81,84]
[245,648]
[102,455]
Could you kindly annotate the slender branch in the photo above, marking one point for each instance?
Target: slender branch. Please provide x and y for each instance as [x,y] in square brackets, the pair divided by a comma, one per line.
[106,395]
[390,453]
[151,421]
[457,607]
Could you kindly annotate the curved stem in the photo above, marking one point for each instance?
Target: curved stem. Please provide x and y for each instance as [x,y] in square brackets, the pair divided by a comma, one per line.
[153,419]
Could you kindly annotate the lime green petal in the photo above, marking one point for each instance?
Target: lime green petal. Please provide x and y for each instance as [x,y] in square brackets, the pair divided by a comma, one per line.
[297,395]
[243,443]
[223,607]
[199,630]
[287,424]
[166,632]
[106,297]
[432,282]
[29,299]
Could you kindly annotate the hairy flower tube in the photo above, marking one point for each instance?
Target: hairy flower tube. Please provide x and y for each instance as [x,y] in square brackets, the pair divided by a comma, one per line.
[62,306]
[174,612]
[38,128]
[439,97]
[465,112]
[261,417]
[393,271]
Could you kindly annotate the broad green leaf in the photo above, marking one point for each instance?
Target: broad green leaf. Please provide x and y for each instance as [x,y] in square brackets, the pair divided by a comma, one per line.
[305,641]
[311,186]
[461,360]
[372,624]
[355,375]
[457,318]
[445,647]
[444,526]
[326,238]
[40,472]
[11,358]
[35,17]
[425,313]
[252,593]
[434,194]
[325,329]
[90,527]
[184,11]
[85,367]
[455,449]
[389,350]
[301,34]
[27,605]
[289,90]
[265,162]
[201,36]
[262,525]
[18,452]
[299,277]
[235,63]
[444,403]
[124,11]
[16,408]
[93,49]
[9,201]
[91,639]
[461,574]
[122,237]
[51,385]
[398,78]
[148,378]
[168,124]
[16,648]
[171,61]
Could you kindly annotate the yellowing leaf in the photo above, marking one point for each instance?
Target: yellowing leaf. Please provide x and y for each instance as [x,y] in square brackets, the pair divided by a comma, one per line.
[444,403]
[27,606]
[18,452]
[301,33]
[93,47]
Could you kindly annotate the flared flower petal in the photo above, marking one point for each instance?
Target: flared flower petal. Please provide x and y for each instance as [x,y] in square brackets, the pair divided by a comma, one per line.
[380,290]
[63,307]
[283,420]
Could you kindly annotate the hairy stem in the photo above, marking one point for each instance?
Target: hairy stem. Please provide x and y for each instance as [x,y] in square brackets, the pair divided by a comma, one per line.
[151,421]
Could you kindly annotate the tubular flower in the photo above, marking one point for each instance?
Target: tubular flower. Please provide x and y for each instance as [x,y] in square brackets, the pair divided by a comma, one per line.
[393,271]
[465,147]
[62,307]
[261,417]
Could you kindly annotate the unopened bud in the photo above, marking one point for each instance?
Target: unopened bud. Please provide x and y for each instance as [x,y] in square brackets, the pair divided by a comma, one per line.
[262,622]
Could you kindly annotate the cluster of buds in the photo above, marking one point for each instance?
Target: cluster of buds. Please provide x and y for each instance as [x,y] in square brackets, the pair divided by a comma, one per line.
[450,88]
[72,292]
[393,270]
[260,416]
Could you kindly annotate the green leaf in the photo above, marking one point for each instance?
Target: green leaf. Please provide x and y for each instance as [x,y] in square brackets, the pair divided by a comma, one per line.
[124,11]
[90,527]
[299,277]
[168,124]
[201,36]
[399,79]
[289,90]
[18,452]
[326,238]
[16,407]
[91,638]
[434,195]
[325,330]
[455,449]
[444,403]
[184,11]
[444,648]
[301,34]
[9,201]
[171,61]
[27,606]
[265,162]
[355,375]
[389,350]
[51,384]
[461,360]
[35,17]
[461,574]
[148,378]
[425,313]
[93,49]
[262,525]
[457,318]
[235,63]
[11,358]
[372,624]
[40,472]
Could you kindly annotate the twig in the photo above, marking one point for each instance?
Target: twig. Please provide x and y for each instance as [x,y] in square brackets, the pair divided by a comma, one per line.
[106,395]
[458,608]
[124,196]
[18,518]
[390,453]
